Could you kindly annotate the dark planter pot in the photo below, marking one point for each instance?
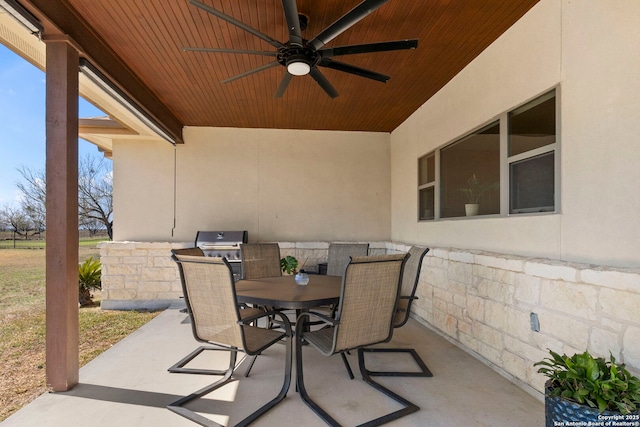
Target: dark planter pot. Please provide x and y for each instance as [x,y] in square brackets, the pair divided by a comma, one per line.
[562,412]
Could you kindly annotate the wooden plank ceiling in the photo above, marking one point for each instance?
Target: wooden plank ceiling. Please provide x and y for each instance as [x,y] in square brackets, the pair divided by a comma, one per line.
[149,36]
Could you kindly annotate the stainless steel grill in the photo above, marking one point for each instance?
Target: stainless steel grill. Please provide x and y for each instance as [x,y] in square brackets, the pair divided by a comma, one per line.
[223,244]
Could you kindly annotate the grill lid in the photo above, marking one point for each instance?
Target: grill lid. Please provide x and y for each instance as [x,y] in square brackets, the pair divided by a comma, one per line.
[219,239]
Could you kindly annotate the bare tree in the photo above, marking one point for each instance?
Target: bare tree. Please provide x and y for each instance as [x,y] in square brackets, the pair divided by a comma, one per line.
[95,194]
[16,220]
[33,196]
[92,226]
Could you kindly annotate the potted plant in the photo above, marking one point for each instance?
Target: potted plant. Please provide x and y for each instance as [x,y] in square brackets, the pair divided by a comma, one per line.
[289,265]
[583,389]
[474,190]
[89,278]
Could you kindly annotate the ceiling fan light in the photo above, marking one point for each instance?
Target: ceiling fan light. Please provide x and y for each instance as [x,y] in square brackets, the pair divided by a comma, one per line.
[298,68]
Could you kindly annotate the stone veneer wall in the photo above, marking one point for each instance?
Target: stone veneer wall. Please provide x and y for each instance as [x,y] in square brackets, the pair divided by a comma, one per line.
[479,301]
[483,302]
[142,275]
[138,275]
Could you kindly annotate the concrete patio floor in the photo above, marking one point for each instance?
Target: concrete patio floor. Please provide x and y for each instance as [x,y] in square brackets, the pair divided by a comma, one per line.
[129,386]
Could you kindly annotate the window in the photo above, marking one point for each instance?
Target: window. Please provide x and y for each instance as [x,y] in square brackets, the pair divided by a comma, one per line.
[532,184]
[470,174]
[426,186]
[532,142]
[465,175]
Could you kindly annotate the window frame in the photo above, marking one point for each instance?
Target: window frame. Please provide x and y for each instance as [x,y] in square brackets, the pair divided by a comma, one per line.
[536,152]
[477,131]
[505,165]
[430,184]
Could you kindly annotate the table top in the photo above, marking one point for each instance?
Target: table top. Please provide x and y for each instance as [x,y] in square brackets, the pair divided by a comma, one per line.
[283,292]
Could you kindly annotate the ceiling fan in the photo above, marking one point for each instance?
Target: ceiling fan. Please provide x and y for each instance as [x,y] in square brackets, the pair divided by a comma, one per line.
[300,56]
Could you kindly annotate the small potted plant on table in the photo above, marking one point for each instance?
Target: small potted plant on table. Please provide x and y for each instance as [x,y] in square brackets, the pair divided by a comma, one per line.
[583,390]
[289,265]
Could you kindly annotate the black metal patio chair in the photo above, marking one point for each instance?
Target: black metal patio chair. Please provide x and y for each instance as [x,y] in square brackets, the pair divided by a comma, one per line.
[368,282]
[260,260]
[339,253]
[209,292]
[410,280]
[181,366]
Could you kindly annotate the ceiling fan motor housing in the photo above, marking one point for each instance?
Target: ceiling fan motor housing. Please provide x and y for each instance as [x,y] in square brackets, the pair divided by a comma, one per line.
[291,53]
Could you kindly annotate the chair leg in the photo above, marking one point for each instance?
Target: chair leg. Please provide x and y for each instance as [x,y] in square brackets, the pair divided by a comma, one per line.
[303,391]
[346,365]
[409,407]
[424,371]
[283,391]
[178,408]
[253,360]
[178,405]
[178,367]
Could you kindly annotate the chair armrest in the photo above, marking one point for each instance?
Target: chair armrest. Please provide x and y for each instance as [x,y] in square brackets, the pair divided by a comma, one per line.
[329,321]
[284,318]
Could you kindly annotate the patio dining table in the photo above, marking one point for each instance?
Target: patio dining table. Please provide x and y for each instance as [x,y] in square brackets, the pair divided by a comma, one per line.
[282,292]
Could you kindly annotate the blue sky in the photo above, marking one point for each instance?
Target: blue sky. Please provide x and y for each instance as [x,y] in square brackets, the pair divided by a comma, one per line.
[22,122]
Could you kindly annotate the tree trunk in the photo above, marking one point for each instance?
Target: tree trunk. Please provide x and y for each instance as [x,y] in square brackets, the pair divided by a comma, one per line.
[84,297]
[109,225]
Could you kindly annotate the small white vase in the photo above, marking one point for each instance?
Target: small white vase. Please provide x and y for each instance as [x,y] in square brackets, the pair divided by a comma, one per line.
[301,279]
[471,209]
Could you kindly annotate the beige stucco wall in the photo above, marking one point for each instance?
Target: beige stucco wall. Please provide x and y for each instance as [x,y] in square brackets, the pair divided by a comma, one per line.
[142,190]
[601,131]
[588,50]
[277,184]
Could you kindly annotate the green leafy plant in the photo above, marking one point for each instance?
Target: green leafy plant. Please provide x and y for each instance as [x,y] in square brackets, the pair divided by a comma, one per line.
[475,189]
[289,265]
[583,379]
[89,278]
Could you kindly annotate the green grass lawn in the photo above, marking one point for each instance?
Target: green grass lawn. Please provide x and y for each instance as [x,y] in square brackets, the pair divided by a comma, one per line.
[22,276]
[41,244]
[22,325]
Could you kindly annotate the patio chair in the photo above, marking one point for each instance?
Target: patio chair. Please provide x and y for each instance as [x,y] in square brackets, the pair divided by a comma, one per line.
[410,279]
[369,294]
[260,260]
[339,254]
[195,251]
[210,295]
[180,366]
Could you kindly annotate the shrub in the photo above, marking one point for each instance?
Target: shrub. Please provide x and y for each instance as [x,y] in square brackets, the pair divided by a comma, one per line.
[583,379]
[89,278]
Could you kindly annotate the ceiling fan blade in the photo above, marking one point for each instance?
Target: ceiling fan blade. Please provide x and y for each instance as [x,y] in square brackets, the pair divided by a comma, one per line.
[368,48]
[345,22]
[352,69]
[216,50]
[323,82]
[237,23]
[248,73]
[283,85]
[293,21]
